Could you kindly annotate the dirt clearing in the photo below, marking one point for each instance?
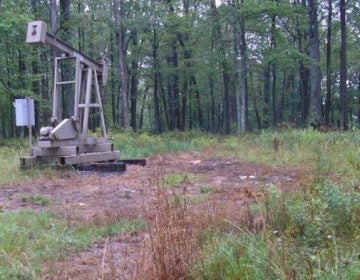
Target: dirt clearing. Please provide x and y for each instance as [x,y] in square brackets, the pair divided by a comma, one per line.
[210,182]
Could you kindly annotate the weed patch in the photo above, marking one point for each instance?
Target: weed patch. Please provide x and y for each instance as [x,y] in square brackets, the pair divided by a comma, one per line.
[36,199]
[177,179]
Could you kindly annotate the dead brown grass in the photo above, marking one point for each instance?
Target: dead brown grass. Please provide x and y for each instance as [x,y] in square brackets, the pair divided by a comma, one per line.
[177,229]
[169,247]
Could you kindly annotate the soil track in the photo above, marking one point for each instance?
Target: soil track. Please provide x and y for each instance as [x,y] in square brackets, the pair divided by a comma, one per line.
[85,197]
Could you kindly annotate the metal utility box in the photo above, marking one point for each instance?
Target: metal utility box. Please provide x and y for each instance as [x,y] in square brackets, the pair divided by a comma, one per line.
[36,32]
[25,113]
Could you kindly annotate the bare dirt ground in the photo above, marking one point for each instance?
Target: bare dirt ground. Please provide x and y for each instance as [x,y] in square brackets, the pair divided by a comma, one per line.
[85,197]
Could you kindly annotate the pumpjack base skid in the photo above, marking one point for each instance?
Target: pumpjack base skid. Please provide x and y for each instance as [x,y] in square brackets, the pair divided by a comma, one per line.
[81,162]
[91,154]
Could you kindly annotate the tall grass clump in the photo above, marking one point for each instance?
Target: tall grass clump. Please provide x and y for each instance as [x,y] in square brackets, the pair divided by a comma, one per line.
[312,233]
[169,246]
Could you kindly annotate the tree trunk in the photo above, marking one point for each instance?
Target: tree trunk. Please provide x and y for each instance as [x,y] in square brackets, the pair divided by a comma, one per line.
[227,108]
[328,65]
[282,100]
[315,115]
[358,98]
[257,114]
[343,71]
[158,126]
[266,97]
[240,67]
[273,72]
[112,75]
[225,69]
[54,28]
[123,73]
[134,81]
[35,69]
[67,97]
[303,72]
[141,119]
[213,110]
[237,62]
[198,102]
[163,97]
[12,132]
[243,74]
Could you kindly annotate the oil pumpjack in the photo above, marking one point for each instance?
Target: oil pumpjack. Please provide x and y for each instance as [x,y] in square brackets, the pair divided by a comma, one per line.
[67,141]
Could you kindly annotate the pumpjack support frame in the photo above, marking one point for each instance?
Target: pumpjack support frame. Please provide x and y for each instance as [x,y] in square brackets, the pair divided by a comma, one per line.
[66,141]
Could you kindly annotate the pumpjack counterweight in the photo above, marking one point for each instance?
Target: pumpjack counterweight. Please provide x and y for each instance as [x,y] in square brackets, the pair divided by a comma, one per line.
[67,140]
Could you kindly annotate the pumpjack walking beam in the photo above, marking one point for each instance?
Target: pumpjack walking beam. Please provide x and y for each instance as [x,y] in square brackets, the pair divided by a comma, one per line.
[66,141]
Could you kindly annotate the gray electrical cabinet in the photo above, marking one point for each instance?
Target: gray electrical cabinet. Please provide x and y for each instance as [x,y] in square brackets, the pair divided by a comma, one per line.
[25,112]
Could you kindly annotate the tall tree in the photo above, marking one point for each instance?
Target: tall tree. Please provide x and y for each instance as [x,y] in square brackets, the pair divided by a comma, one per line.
[328,64]
[240,66]
[67,103]
[274,70]
[134,81]
[218,35]
[315,115]
[123,72]
[343,71]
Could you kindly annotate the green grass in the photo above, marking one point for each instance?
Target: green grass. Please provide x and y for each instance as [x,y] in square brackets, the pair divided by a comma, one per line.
[28,239]
[141,145]
[313,233]
[36,199]
[243,255]
[326,152]
[335,152]
[178,179]
[10,152]
[206,189]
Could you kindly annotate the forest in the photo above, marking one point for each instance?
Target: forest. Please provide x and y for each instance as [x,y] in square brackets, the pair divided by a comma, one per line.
[216,66]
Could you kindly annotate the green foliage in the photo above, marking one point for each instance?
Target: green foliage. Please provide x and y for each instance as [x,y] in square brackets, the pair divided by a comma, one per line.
[318,211]
[28,239]
[311,234]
